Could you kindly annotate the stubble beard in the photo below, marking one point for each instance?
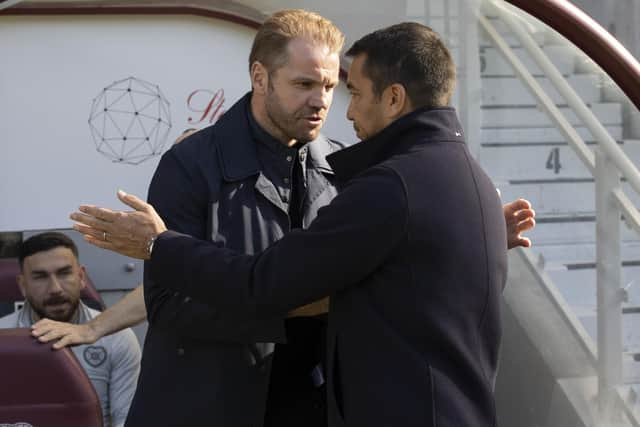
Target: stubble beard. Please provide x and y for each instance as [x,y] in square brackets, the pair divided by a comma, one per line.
[43,313]
[285,122]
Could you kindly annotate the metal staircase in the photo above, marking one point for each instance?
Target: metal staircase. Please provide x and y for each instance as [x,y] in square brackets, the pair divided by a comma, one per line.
[538,142]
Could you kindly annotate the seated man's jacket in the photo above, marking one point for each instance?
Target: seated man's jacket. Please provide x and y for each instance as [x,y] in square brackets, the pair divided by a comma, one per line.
[205,363]
[413,254]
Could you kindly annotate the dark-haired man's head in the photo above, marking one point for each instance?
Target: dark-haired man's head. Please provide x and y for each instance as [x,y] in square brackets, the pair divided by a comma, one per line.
[396,70]
[294,65]
[51,277]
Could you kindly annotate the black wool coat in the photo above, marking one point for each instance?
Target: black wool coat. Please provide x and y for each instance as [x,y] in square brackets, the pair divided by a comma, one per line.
[413,254]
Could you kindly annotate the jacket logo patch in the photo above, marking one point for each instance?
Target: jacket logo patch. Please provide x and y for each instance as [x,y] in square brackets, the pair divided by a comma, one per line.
[95,355]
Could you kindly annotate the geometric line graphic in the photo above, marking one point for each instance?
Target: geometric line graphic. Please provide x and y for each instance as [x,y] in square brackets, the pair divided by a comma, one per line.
[130,121]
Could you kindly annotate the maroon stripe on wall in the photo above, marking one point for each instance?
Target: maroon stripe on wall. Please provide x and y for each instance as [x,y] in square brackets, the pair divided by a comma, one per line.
[70,9]
[560,15]
[84,9]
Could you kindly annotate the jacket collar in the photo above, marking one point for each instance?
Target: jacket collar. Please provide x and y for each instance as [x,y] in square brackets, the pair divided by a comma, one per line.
[432,124]
[238,155]
[318,150]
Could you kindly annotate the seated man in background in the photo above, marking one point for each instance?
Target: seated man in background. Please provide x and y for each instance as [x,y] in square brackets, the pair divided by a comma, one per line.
[51,279]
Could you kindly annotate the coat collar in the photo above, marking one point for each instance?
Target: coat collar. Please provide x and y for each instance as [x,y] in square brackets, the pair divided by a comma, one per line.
[432,124]
[238,155]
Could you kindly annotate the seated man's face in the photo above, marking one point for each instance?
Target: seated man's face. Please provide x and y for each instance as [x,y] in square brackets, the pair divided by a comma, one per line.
[51,281]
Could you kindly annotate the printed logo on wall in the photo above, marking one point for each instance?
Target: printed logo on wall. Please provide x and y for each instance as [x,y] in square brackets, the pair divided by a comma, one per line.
[130,120]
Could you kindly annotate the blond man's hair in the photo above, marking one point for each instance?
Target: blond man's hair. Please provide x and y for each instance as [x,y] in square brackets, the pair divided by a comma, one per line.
[271,41]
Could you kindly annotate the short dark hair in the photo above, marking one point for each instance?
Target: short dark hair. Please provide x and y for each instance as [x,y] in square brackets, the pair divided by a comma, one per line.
[44,242]
[413,55]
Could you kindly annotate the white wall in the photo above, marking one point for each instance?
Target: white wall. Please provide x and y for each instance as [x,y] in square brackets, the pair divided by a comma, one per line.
[52,69]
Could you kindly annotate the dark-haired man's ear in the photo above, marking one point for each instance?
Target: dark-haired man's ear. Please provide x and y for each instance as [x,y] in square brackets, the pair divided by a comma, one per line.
[21,285]
[259,78]
[397,101]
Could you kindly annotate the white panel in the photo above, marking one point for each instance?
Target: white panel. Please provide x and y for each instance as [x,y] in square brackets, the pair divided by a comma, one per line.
[448,29]
[416,8]
[444,7]
[54,67]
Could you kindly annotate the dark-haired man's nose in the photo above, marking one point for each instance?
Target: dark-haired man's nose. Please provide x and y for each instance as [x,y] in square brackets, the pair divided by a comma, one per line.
[349,113]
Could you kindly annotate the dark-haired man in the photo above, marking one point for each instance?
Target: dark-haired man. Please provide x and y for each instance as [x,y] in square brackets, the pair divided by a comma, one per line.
[412,251]
[51,279]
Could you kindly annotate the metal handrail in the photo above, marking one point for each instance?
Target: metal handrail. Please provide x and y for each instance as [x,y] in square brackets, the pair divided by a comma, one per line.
[610,163]
[591,38]
[606,142]
[610,146]
[545,102]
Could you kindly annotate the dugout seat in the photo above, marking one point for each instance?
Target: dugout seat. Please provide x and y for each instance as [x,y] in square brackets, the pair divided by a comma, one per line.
[42,387]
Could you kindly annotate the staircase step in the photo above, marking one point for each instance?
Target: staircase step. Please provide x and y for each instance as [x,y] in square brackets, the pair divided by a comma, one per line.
[571,233]
[540,161]
[539,135]
[630,331]
[578,285]
[558,197]
[492,62]
[537,162]
[608,113]
[510,91]
[581,253]
[503,29]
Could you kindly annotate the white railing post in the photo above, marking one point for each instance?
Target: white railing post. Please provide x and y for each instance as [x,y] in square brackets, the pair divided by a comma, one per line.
[599,132]
[609,292]
[470,76]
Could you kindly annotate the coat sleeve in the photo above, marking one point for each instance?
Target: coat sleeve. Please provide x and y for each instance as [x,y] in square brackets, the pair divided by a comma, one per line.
[180,192]
[174,193]
[348,241]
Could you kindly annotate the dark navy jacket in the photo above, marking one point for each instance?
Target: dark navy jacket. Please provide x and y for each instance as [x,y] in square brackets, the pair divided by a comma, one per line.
[206,364]
[413,254]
